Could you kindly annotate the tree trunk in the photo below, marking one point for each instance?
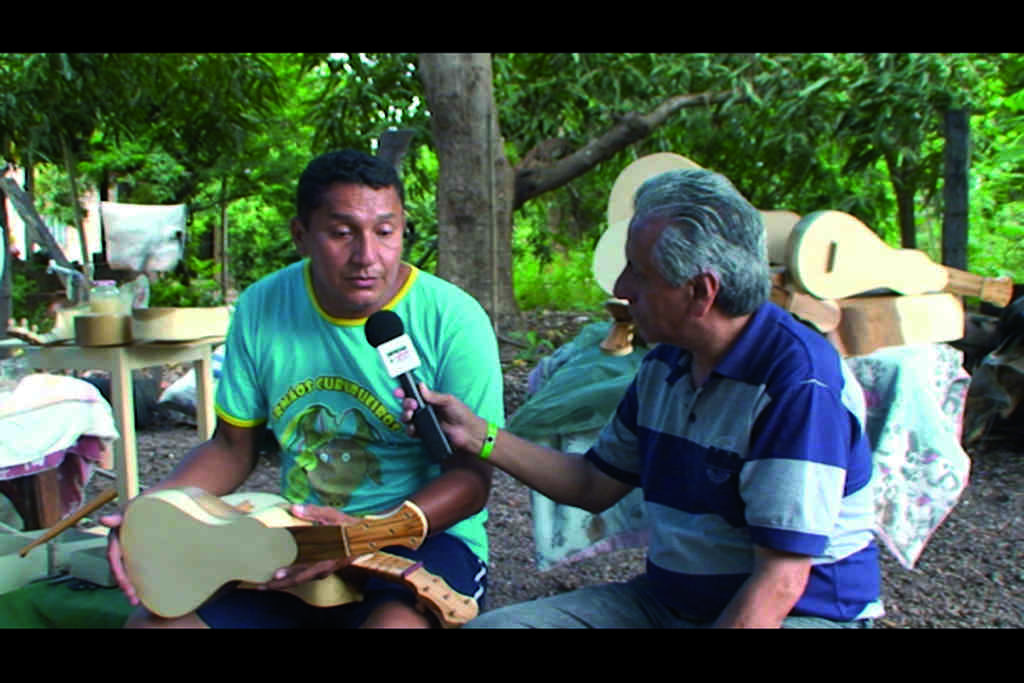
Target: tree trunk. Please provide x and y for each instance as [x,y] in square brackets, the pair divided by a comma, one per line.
[954,218]
[475,183]
[908,230]
[69,164]
[6,305]
[220,239]
[904,190]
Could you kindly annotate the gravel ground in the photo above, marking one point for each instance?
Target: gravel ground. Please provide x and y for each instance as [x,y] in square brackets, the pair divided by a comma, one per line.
[971,574]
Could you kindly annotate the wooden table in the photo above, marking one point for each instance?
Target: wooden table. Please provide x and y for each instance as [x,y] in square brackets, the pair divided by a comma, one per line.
[119,361]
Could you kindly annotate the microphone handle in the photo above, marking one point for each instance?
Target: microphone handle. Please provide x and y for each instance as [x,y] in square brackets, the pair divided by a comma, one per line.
[425,420]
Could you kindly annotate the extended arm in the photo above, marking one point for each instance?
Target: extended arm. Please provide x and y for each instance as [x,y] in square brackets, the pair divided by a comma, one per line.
[764,600]
[460,491]
[564,477]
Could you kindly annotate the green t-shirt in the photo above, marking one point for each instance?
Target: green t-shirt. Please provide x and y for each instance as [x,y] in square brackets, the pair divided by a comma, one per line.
[327,396]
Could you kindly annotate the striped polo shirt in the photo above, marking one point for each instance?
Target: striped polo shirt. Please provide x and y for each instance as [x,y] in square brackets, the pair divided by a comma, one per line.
[768,452]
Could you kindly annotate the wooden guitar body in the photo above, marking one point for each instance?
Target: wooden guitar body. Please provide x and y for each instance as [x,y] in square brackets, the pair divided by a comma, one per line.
[183,545]
[872,322]
[822,314]
[832,255]
[778,226]
[619,340]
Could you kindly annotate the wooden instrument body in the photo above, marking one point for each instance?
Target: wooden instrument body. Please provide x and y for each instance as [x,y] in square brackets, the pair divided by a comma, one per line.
[823,315]
[619,340]
[183,545]
[873,322]
[778,226]
[832,255]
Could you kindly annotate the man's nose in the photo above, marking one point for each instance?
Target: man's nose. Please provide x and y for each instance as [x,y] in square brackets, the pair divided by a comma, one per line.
[621,290]
[364,249]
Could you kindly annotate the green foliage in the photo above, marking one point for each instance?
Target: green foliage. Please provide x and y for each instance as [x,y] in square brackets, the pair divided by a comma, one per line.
[804,132]
[201,289]
[259,240]
[563,281]
[534,347]
[22,287]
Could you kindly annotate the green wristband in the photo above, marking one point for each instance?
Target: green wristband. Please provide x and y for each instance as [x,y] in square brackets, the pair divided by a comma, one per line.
[492,436]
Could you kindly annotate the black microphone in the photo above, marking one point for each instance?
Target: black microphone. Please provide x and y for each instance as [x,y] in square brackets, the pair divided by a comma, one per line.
[385,332]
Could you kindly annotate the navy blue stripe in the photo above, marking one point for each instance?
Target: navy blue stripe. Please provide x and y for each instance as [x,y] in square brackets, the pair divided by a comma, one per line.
[841,590]
[664,353]
[776,350]
[814,437]
[801,543]
[630,478]
[684,475]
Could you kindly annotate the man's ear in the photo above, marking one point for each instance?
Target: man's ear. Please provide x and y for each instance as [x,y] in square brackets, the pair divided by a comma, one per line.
[705,292]
[298,231]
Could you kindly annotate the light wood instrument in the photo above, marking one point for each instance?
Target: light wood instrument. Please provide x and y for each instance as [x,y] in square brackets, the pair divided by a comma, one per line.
[619,340]
[778,226]
[620,198]
[872,322]
[183,545]
[68,522]
[610,253]
[824,315]
[832,255]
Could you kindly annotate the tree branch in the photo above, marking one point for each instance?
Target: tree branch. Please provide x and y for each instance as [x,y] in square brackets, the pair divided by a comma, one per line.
[531,181]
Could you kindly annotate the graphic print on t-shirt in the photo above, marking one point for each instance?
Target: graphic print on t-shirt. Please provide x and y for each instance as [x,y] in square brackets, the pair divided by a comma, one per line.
[333,455]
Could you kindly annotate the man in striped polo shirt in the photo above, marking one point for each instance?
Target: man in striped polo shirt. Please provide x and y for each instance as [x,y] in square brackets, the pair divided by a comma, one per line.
[738,428]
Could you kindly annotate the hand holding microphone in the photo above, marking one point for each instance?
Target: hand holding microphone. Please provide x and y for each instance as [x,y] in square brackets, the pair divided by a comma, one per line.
[385,332]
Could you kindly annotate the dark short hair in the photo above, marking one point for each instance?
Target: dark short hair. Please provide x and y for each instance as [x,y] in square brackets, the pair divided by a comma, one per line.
[343,166]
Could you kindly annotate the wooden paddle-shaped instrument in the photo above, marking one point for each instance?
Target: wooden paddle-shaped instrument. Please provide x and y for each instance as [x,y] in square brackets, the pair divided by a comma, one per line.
[619,340]
[183,545]
[778,226]
[824,315]
[68,522]
[869,323]
[832,255]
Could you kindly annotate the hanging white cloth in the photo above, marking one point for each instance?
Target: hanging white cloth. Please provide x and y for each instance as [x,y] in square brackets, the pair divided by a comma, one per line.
[143,238]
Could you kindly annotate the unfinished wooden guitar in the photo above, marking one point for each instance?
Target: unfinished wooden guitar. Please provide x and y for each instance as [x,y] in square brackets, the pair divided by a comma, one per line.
[619,340]
[620,198]
[872,322]
[183,545]
[832,255]
[822,314]
[778,226]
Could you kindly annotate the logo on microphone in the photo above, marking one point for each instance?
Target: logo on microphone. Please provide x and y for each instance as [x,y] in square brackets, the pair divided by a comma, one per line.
[399,355]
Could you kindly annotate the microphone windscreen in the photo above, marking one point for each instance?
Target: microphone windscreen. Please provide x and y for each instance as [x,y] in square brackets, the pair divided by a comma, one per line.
[383,326]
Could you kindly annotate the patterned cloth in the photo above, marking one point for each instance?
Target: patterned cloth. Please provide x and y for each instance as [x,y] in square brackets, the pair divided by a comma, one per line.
[53,421]
[915,406]
[915,399]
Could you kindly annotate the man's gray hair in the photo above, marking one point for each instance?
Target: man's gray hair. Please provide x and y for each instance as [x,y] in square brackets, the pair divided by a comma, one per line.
[711,228]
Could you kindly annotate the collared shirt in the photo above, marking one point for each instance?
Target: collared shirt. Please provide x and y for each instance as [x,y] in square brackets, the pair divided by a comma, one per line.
[768,452]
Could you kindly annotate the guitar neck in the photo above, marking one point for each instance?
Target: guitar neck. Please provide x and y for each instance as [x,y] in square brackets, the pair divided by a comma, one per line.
[824,314]
[405,527]
[450,607]
[994,290]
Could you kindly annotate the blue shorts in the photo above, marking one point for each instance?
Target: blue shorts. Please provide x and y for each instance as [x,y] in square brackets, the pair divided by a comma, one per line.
[443,555]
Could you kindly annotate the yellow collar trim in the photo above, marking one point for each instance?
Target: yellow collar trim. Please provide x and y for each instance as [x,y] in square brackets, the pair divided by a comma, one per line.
[307,271]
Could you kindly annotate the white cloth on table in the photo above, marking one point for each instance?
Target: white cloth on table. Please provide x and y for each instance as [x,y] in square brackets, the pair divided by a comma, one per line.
[48,413]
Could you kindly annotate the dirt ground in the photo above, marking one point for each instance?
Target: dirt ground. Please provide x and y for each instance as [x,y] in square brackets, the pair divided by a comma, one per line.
[971,574]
